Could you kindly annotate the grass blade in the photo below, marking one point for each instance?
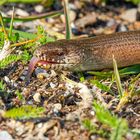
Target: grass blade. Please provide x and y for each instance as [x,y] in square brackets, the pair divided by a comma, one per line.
[24,112]
[117,77]
[101,86]
[67,20]
[3,27]
[20,1]
[34,17]
[11,24]
[118,126]
[135,69]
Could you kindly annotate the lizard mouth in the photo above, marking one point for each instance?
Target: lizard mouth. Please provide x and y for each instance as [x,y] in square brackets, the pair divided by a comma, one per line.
[37,62]
[46,65]
[54,65]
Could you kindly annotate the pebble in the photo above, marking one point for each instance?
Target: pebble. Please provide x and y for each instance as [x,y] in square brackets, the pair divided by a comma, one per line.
[92,113]
[46,126]
[21,12]
[39,8]
[137,25]
[57,107]
[72,6]
[111,22]
[39,70]
[129,136]
[30,102]
[88,19]
[93,137]
[78,4]
[26,92]
[53,73]
[10,12]
[22,78]
[19,128]
[29,24]
[37,97]
[72,116]
[42,75]
[86,95]
[51,21]
[129,15]
[52,85]
[4,135]
[40,125]
[6,79]
[72,16]
[121,28]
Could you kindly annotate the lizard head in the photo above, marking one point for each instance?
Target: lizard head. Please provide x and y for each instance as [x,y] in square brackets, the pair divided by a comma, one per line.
[59,55]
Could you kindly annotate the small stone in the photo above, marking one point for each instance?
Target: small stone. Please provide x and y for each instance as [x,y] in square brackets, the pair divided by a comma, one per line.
[86,95]
[92,113]
[40,125]
[22,78]
[41,73]
[72,16]
[52,85]
[39,70]
[57,107]
[10,12]
[19,128]
[121,28]
[26,92]
[78,4]
[46,126]
[4,135]
[72,116]
[129,136]
[37,97]
[93,137]
[129,15]
[30,102]
[137,25]
[6,79]
[39,8]
[111,22]
[88,19]
[21,12]
[53,73]
[72,6]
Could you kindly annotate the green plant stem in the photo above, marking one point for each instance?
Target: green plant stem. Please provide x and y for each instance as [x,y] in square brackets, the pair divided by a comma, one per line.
[117,77]
[67,20]
[34,17]
[3,27]
[11,24]
[22,1]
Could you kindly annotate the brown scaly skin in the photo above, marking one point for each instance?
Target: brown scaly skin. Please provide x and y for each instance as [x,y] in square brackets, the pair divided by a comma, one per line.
[89,53]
